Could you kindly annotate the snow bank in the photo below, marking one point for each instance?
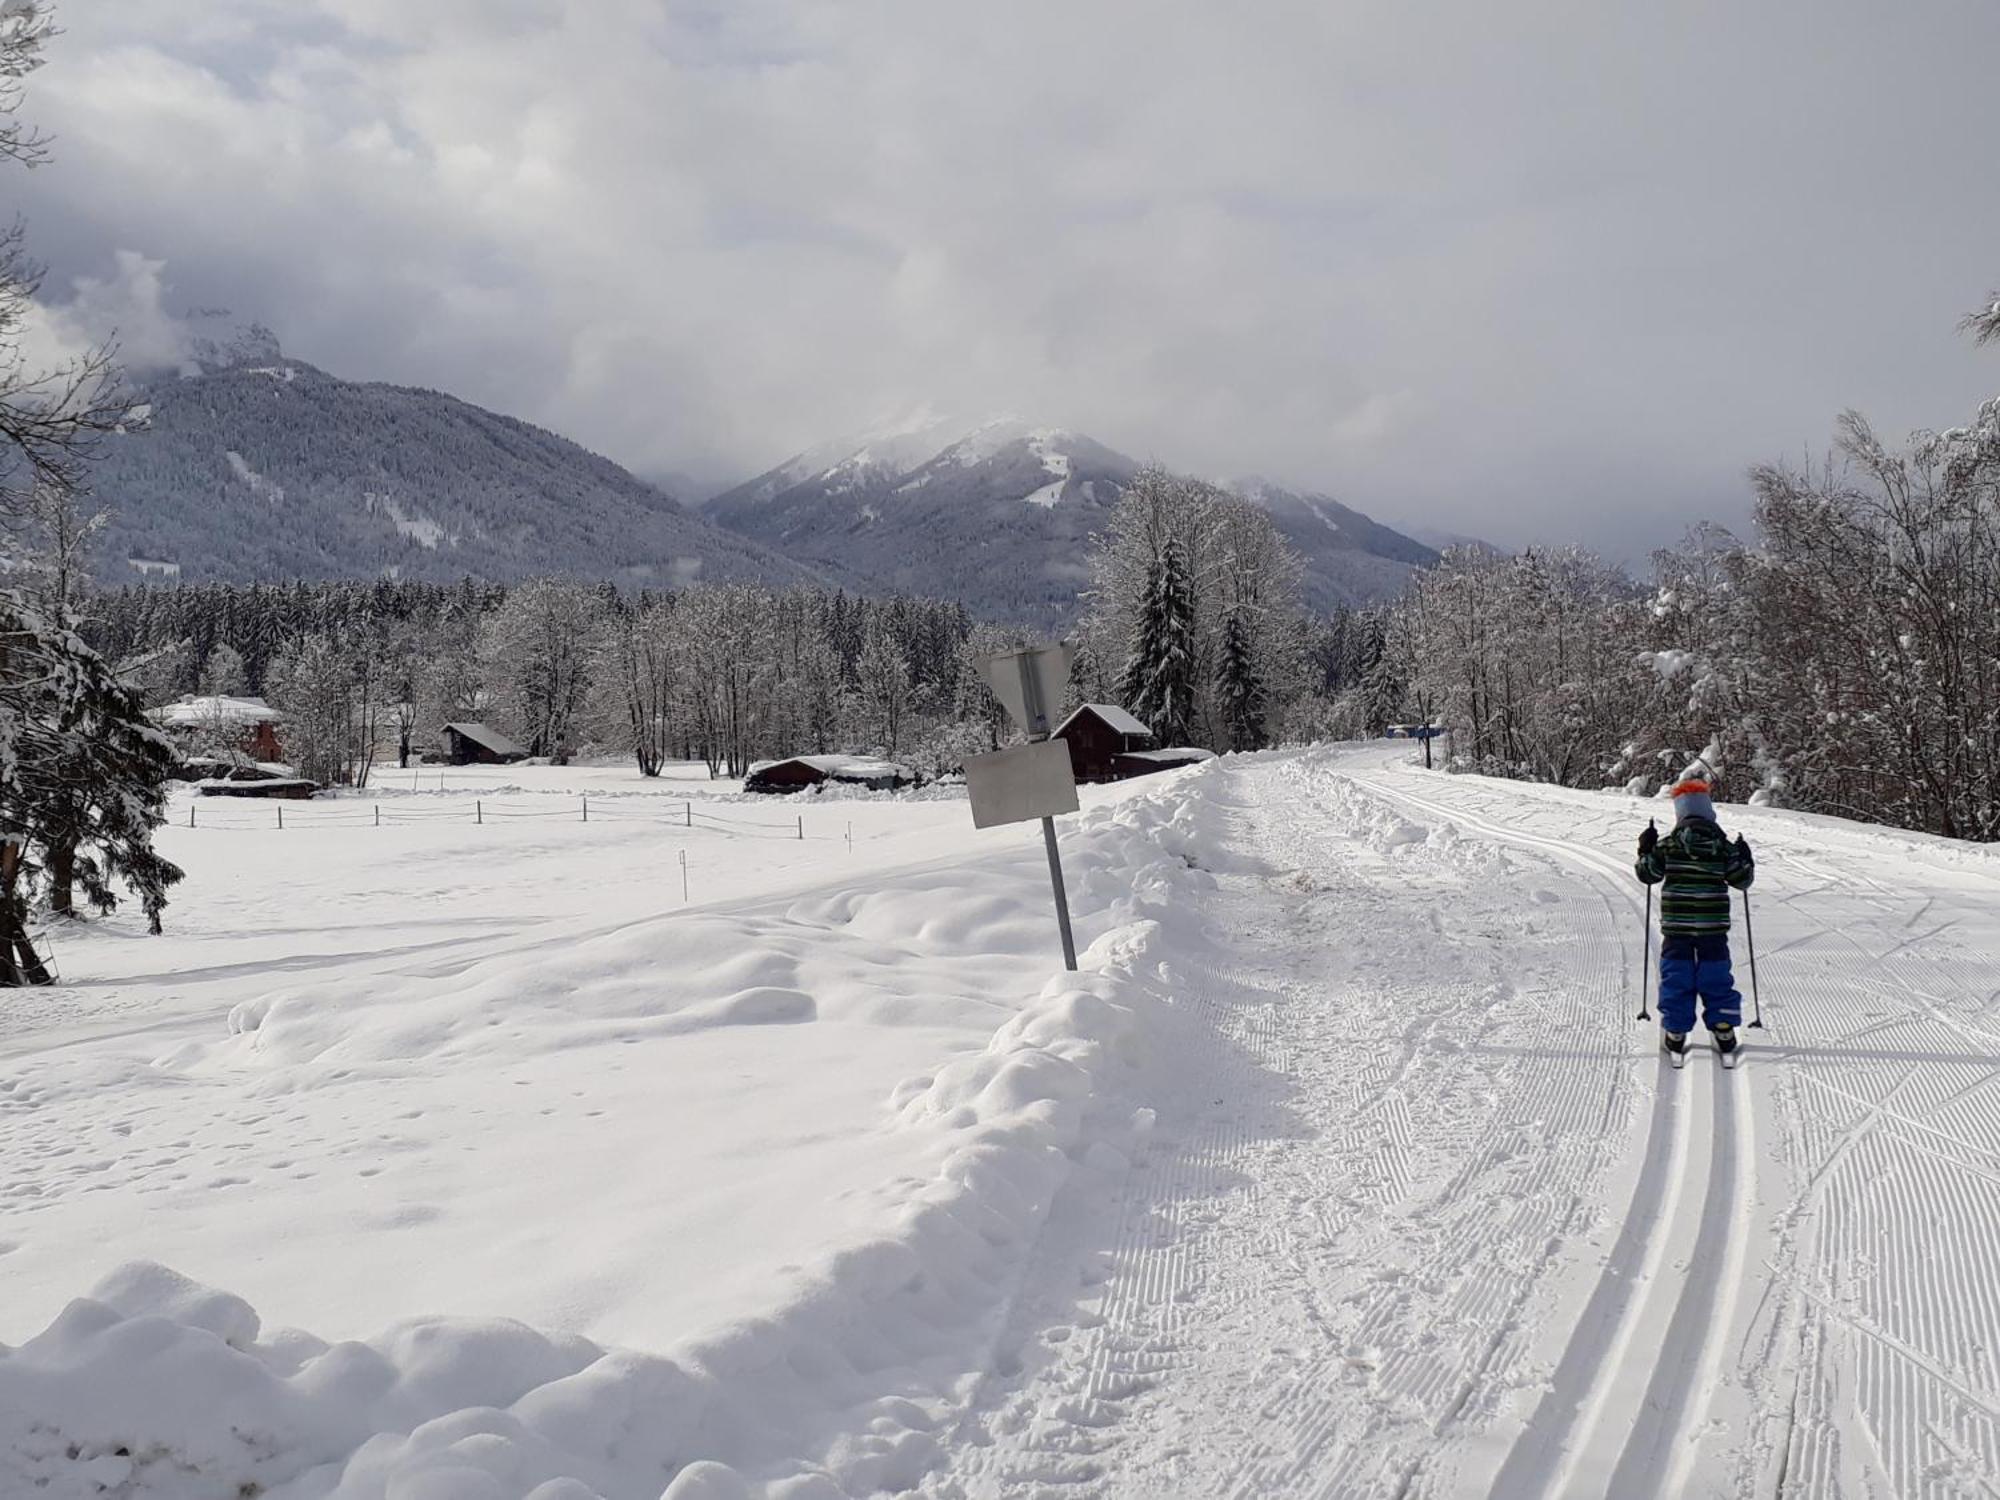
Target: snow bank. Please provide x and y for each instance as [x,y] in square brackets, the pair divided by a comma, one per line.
[155,1388]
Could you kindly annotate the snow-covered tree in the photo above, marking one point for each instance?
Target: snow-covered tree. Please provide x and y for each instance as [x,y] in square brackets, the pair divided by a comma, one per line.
[817,694]
[51,415]
[450,677]
[884,673]
[731,673]
[82,785]
[314,682]
[82,771]
[1239,686]
[640,671]
[1984,325]
[223,674]
[1162,669]
[538,651]
[1216,556]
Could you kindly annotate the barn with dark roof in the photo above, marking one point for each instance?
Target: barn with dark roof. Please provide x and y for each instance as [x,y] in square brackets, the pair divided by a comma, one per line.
[480,745]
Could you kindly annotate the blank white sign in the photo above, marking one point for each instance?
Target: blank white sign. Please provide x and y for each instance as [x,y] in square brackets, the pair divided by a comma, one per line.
[1017,785]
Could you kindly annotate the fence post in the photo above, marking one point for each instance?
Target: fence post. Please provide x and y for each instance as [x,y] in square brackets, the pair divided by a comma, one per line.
[802,826]
[586,807]
[684,877]
[378,815]
[281,815]
[479,812]
[688,808]
[191,815]
[850,838]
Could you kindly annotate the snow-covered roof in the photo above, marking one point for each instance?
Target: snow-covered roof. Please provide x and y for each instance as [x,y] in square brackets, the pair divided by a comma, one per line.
[491,739]
[842,767]
[216,708]
[1111,714]
[1179,755]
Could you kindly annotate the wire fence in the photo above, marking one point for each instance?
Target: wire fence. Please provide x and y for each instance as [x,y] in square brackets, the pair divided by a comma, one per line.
[250,815]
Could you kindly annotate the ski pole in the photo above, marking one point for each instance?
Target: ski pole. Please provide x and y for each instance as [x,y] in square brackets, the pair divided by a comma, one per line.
[1645,958]
[1646,947]
[1750,939]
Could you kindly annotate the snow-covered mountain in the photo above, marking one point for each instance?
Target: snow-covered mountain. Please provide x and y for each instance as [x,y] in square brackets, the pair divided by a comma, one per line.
[247,465]
[999,513]
[1349,558]
[996,513]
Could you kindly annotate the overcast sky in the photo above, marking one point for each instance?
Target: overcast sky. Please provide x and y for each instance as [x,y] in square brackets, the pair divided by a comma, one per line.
[1532,271]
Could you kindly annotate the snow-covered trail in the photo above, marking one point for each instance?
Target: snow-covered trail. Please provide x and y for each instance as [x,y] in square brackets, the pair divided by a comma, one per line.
[1430,1217]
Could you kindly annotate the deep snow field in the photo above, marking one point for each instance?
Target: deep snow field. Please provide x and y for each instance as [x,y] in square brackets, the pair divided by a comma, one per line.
[1342,1168]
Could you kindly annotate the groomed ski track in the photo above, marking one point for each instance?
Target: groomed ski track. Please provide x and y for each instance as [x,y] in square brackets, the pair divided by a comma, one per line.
[1428,1214]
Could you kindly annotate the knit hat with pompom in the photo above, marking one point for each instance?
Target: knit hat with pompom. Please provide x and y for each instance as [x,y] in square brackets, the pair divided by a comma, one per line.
[1691,800]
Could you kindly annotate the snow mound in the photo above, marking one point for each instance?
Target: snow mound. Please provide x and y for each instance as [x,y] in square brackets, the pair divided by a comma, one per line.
[155,1387]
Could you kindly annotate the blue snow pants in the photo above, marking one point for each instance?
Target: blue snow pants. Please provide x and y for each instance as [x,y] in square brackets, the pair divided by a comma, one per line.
[1690,966]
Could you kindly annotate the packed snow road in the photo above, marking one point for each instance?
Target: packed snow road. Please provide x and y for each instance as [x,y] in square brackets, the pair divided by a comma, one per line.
[1431,1217]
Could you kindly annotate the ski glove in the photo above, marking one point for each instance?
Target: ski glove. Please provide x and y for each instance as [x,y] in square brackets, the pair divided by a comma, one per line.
[1648,837]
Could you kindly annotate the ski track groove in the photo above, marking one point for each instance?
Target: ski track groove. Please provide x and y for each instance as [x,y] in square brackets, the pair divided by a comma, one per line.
[1661,1432]
[1389,1250]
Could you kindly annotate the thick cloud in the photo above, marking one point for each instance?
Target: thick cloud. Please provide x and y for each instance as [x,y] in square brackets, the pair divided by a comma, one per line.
[1544,270]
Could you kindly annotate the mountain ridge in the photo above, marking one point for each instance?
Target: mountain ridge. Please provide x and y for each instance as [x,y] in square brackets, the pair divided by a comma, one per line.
[244,464]
[247,465]
[1006,508]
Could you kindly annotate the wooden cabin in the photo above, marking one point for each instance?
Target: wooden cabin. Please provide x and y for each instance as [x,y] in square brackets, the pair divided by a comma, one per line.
[808,772]
[1097,735]
[1146,762]
[268,788]
[479,745]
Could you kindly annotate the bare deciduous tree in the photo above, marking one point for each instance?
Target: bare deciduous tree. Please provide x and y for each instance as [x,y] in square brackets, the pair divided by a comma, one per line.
[51,413]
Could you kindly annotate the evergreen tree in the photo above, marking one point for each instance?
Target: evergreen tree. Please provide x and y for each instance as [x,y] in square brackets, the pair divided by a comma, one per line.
[82,789]
[1239,687]
[1160,675]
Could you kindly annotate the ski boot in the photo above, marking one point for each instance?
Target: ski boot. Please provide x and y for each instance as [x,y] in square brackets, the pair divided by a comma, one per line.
[1724,1037]
[1675,1043]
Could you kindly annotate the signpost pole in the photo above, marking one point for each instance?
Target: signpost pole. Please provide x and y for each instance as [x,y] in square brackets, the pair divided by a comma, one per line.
[1062,895]
[1038,729]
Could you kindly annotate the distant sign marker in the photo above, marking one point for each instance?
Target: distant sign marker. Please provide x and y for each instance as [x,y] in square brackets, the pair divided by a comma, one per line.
[1034,780]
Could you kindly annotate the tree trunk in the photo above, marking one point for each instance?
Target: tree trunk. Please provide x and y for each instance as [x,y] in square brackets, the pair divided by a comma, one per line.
[62,878]
[28,967]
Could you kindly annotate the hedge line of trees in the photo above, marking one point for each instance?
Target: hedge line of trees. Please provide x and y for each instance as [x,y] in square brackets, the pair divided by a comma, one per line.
[725,674]
[1846,661]
[1193,624]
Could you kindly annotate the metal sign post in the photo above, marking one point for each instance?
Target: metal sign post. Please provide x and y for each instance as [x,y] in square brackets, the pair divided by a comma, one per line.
[1035,700]
[1424,732]
[1034,780]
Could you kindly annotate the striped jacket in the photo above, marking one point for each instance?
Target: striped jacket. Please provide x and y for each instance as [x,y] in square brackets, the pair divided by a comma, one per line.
[1697,865]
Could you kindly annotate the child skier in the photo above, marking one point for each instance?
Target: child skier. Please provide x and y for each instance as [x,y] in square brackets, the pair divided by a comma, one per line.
[1696,865]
